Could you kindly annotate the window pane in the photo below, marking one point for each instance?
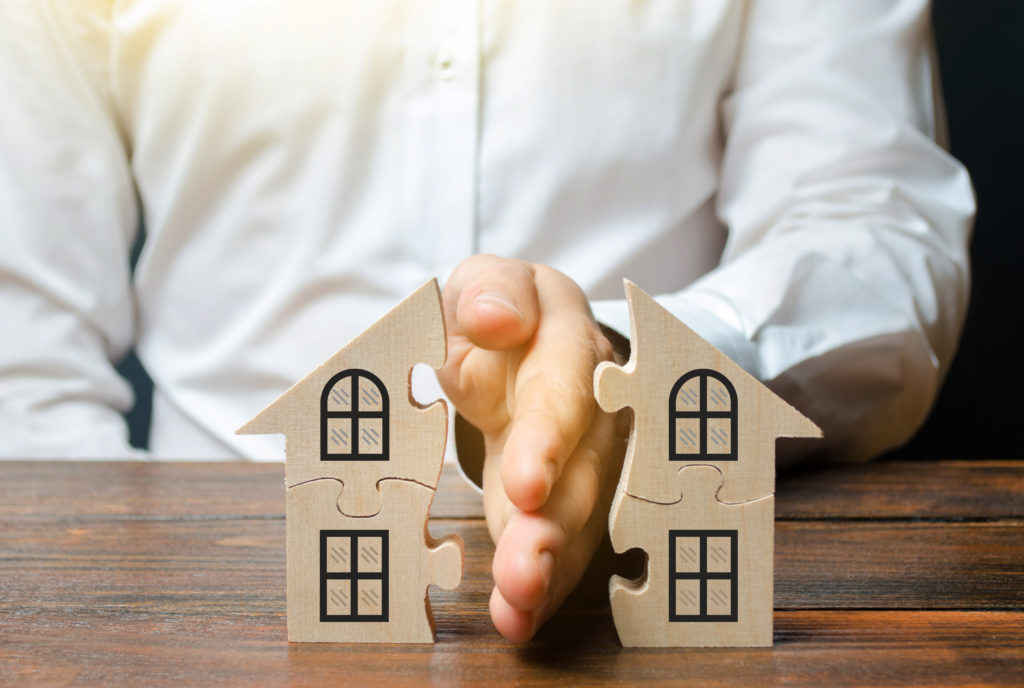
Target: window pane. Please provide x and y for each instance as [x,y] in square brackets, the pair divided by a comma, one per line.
[719,597]
[340,398]
[371,435]
[687,597]
[687,436]
[338,594]
[718,396]
[719,436]
[688,396]
[339,435]
[720,554]
[338,554]
[371,597]
[687,554]
[370,397]
[371,554]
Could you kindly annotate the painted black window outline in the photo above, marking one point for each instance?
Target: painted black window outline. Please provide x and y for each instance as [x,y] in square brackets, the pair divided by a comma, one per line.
[354,575]
[702,415]
[355,416]
[703,575]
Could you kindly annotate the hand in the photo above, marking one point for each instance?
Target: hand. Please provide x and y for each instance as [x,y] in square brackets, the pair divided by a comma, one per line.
[522,348]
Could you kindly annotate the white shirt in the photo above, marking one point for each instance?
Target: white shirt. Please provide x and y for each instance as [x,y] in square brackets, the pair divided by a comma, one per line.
[767,168]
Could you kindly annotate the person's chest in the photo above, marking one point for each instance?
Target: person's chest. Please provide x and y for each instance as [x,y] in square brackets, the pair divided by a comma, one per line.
[449,127]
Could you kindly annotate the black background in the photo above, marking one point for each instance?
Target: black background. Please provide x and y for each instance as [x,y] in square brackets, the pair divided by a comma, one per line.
[982,65]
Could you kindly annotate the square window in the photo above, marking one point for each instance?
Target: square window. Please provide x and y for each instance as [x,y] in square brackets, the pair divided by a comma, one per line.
[354,575]
[705,590]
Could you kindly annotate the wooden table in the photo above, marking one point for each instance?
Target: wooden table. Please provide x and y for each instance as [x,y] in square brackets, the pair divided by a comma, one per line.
[174,573]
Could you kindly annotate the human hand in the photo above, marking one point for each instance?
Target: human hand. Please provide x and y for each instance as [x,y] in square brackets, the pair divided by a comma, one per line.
[522,348]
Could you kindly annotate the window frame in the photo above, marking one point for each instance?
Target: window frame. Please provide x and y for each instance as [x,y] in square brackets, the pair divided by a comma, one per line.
[355,415]
[703,415]
[703,575]
[353,575]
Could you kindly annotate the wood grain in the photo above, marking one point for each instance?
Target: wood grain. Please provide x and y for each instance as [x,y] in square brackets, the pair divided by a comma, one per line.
[940,490]
[162,574]
[937,490]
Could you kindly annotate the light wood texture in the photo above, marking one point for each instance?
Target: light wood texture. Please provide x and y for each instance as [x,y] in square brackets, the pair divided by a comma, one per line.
[369,575]
[413,440]
[663,351]
[702,426]
[709,568]
[885,490]
[173,574]
[362,461]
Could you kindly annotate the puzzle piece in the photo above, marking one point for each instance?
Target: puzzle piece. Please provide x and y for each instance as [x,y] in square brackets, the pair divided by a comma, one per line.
[692,405]
[709,578]
[353,418]
[363,579]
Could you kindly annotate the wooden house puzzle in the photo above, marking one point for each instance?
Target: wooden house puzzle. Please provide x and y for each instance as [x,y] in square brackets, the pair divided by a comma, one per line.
[697,487]
[362,465]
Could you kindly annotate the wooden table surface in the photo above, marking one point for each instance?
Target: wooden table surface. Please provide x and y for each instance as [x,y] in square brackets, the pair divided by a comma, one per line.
[174,573]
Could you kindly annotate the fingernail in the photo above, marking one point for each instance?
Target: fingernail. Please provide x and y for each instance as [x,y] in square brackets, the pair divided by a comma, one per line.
[550,475]
[496,298]
[546,563]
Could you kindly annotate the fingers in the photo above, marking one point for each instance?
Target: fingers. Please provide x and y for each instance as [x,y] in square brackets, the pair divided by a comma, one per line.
[553,402]
[532,580]
[490,305]
[533,545]
[492,301]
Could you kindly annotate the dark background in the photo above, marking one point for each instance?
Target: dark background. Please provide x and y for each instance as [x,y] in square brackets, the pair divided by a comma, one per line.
[981,57]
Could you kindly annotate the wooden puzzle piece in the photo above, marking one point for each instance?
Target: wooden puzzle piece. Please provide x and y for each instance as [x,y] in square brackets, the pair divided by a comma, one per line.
[354,419]
[363,579]
[692,405]
[709,578]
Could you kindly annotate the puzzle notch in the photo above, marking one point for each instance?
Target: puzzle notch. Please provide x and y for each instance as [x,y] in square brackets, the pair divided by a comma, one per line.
[353,418]
[692,405]
[705,429]
[709,577]
[363,579]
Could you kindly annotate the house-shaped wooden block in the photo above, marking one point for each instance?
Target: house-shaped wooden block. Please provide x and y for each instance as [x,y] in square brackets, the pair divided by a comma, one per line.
[693,406]
[362,463]
[353,418]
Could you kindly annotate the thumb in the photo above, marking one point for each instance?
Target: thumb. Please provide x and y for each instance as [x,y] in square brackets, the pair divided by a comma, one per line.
[492,301]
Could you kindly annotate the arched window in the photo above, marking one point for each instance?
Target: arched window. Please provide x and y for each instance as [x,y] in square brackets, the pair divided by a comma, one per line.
[702,418]
[354,418]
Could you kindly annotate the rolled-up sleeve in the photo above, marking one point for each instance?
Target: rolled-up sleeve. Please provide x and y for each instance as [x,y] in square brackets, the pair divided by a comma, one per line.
[844,282]
[68,217]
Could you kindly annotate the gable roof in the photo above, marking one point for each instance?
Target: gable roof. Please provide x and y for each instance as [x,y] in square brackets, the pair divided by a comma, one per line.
[663,351]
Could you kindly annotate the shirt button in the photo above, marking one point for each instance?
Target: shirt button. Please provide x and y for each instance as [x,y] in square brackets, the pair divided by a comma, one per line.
[444,65]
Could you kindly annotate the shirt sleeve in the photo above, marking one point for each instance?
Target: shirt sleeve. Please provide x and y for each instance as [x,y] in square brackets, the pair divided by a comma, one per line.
[844,281]
[68,217]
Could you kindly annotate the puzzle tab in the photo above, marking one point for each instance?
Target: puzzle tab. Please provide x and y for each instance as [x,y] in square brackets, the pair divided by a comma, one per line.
[705,429]
[359,579]
[362,463]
